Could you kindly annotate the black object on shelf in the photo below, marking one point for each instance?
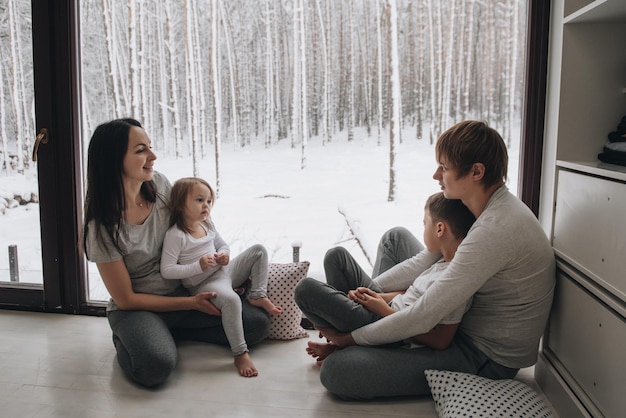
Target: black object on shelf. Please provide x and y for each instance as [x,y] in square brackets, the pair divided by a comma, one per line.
[614,151]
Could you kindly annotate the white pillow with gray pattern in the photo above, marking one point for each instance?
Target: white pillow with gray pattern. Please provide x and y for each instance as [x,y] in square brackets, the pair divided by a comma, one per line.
[466,395]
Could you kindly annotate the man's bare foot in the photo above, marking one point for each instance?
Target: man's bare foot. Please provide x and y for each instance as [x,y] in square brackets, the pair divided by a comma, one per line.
[244,365]
[266,304]
[320,351]
[340,339]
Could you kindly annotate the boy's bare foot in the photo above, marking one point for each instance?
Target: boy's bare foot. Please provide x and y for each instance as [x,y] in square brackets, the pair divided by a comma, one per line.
[244,365]
[320,351]
[266,304]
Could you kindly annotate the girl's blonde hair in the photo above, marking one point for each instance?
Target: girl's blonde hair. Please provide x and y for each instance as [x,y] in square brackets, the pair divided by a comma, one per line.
[178,200]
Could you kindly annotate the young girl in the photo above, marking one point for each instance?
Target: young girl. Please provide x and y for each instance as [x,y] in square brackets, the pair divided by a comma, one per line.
[195,252]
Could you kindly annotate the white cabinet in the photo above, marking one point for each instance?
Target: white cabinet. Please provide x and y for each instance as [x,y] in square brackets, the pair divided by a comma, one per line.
[582,365]
[585,344]
[590,225]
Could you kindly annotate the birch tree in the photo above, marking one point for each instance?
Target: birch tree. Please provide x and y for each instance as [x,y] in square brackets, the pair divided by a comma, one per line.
[379,66]
[18,88]
[323,98]
[394,123]
[6,161]
[270,122]
[350,69]
[200,102]
[192,76]
[146,97]
[133,48]
[164,105]
[232,69]
[296,88]
[217,102]
[513,72]
[173,80]
[468,64]
[435,69]
[303,90]
[448,62]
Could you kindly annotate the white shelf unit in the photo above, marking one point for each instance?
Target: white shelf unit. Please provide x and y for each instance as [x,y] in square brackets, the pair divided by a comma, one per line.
[582,365]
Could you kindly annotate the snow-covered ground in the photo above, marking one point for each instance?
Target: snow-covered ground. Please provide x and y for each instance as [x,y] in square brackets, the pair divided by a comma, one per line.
[265,197]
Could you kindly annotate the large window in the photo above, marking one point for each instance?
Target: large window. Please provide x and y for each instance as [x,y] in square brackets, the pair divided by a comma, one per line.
[20,239]
[315,120]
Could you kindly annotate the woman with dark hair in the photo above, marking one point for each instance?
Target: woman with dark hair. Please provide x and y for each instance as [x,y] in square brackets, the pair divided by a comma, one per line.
[126,217]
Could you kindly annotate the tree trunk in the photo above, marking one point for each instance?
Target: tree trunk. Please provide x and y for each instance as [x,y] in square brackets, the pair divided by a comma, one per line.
[17,88]
[303,91]
[296,106]
[6,160]
[217,101]
[379,64]
[394,125]
[270,128]
[350,68]
[173,79]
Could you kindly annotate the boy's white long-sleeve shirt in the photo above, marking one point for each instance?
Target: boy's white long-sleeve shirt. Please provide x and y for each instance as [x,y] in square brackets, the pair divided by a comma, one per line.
[506,263]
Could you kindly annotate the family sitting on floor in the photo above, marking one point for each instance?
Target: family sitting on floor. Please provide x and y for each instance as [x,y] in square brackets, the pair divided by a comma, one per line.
[475,299]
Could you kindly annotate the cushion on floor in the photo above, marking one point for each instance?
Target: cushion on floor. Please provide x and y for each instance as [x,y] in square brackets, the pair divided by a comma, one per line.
[467,395]
[281,283]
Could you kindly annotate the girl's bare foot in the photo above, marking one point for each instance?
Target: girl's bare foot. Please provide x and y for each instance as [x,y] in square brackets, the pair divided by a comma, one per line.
[266,304]
[244,365]
[320,351]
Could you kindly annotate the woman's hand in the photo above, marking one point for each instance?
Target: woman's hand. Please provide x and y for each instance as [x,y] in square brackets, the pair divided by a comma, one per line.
[202,303]
[118,283]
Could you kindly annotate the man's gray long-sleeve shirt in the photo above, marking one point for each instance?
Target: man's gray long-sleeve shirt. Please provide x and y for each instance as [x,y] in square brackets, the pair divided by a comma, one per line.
[506,262]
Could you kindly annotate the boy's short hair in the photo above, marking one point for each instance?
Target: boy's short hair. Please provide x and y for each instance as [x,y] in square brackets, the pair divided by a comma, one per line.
[451,211]
[470,142]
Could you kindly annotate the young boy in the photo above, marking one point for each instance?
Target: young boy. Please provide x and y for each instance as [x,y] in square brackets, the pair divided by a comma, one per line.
[446,223]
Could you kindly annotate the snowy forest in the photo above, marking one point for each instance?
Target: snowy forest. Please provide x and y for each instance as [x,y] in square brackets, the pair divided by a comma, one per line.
[199,74]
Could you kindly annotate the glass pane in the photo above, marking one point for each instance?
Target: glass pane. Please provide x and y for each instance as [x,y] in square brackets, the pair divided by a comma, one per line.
[20,236]
[285,106]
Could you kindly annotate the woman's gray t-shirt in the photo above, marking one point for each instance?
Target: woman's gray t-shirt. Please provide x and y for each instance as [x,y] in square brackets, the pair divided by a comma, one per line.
[143,244]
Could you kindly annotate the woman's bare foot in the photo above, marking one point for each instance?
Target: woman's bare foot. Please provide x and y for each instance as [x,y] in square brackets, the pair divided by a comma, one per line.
[266,304]
[320,351]
[244,365]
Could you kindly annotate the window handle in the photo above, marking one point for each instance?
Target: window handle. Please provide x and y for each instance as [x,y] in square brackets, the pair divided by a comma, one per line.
[42,138]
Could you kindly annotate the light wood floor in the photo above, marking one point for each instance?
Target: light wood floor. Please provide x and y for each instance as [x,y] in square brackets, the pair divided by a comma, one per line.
[55,365]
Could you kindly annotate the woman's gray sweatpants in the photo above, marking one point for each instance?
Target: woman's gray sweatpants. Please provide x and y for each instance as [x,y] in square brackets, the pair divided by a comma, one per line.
[145,341]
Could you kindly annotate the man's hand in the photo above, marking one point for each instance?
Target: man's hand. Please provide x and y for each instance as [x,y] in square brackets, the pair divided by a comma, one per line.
[202,303]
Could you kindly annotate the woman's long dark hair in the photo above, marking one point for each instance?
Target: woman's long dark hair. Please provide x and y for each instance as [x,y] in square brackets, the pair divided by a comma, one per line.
[105,200]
